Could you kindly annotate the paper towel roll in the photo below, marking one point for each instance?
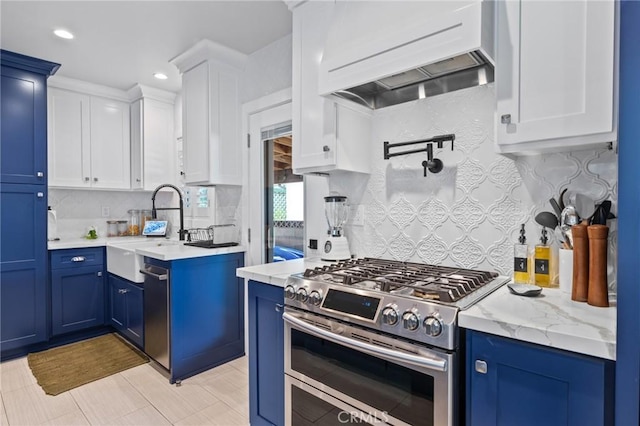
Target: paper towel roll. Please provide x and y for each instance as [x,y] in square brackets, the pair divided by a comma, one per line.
[52,225]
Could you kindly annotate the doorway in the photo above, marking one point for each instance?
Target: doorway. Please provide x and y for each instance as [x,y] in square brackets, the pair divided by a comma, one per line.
[276,195]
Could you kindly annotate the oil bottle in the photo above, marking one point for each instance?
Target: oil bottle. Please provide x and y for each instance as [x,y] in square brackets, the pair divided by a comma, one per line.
[542,262]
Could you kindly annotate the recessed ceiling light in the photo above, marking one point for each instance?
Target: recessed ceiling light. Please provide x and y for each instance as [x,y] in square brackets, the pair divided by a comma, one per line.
[160,76]
[63,34]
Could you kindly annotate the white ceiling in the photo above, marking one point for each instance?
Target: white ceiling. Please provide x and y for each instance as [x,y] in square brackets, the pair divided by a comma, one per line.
[121,43]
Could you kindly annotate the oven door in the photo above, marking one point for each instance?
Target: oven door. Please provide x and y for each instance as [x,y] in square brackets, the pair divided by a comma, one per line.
[377,378]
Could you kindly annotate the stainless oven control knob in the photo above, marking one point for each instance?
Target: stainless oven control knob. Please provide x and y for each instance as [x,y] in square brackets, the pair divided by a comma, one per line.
[432,326]
[390,315]
[302,295]
[315,297]
[411,320]
[290,292]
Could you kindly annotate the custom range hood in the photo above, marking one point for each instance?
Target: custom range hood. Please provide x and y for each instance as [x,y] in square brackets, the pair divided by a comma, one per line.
[382,53]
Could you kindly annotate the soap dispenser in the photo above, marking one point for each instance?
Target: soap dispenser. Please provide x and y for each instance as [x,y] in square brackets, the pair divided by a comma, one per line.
[521,264]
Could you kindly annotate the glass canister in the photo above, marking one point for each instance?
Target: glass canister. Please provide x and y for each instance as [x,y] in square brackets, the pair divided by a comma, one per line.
[112,228]
[145,215]
[123,230]
[134,222]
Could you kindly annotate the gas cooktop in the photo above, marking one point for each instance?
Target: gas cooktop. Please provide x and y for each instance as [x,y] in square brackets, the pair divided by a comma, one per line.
[416,301]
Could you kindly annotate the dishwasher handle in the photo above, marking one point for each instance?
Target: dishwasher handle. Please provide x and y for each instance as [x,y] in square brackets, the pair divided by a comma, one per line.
[159,277]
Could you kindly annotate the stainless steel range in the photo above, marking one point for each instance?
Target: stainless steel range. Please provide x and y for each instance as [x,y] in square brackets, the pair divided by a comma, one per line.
[377,341]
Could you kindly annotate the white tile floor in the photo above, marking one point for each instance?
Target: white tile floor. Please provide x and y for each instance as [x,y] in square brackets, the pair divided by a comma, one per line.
[138,396]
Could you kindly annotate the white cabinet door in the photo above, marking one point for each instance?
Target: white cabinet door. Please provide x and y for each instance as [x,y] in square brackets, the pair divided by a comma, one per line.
[555,74]
[313,121]
[211,125]
[110,149]
[153,153]
[69,150]
[328,133]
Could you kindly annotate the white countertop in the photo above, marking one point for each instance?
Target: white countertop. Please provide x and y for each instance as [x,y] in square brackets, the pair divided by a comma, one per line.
[163,252]
[278,272]
[551,319]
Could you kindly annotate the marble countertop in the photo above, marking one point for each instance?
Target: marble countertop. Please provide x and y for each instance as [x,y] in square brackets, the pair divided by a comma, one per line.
[277,273]
[173,251]
[551,319]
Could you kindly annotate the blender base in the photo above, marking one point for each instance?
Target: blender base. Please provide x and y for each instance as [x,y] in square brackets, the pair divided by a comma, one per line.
[335,248]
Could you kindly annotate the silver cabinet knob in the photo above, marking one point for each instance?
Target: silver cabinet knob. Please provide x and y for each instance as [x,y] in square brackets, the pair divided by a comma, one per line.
[95,179]
[123,291]
[78,259]
[40,174]
[99,274]
[481,366]
[138,179]
[279,307]
[86,178]
[505,119]
[326,148]
[40,195]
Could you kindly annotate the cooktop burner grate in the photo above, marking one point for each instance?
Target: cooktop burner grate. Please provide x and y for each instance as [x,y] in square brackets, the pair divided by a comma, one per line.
[442,283]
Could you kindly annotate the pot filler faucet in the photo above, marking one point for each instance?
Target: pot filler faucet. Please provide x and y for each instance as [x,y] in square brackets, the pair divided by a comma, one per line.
[182,232]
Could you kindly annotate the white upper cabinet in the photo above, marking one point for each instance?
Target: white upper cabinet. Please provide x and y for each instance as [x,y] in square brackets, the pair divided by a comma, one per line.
[88,136]
[328,134]
[212,143]
[555,75]
[153,151]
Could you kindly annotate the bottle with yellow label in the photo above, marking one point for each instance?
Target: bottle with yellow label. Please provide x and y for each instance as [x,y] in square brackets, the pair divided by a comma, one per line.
[542,261]
[521,262]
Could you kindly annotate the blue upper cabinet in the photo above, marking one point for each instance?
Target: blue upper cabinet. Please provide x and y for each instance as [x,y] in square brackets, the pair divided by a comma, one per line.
[23,157]
[517,383]
[23,197]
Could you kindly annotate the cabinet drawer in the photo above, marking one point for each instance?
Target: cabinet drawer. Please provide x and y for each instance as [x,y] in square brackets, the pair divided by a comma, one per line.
[75,258]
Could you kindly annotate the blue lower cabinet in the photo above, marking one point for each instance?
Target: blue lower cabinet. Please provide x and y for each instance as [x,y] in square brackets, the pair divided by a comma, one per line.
[266,354]
[23,265]
[77,290]
[206,312]
[125,309]
[516,383]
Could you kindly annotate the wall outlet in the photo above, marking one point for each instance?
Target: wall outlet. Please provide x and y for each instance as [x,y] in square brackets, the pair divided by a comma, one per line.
[357,218]
[106,212]
[313,244]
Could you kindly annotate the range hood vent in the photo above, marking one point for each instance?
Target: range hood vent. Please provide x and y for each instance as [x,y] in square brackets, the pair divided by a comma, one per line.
[384,53]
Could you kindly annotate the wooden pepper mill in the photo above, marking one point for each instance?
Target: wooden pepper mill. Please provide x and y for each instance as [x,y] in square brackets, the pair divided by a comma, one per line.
[598,293]
[580,285]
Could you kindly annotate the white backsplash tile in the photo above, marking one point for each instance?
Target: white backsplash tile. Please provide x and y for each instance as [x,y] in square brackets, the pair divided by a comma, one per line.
[469,214]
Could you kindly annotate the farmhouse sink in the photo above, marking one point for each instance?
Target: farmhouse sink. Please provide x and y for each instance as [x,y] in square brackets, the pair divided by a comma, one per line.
[123,261]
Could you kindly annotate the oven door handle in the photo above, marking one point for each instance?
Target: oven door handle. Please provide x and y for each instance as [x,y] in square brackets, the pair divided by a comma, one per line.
[432,363]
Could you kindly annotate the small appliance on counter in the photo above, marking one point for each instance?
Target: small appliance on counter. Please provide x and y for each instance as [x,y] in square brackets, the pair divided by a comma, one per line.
[336,210]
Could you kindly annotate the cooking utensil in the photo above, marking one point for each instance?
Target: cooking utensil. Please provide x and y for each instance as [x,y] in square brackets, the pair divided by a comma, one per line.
[585,206]
[602,213]
[568,218]
[561,199]
[556,207]
[547,219]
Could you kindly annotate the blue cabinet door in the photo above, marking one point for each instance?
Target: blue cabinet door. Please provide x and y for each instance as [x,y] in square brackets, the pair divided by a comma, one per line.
[516,383]
[23,153]
[23,265]
[126,309]
[77,299]
[266,354]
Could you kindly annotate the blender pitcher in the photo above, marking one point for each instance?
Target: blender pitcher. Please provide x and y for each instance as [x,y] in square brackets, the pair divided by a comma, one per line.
[336,210]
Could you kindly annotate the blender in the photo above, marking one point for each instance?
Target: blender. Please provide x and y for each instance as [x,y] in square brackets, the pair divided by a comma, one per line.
[336,247]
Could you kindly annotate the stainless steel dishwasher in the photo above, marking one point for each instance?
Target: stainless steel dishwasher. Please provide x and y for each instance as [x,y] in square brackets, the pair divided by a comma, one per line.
[157,338]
